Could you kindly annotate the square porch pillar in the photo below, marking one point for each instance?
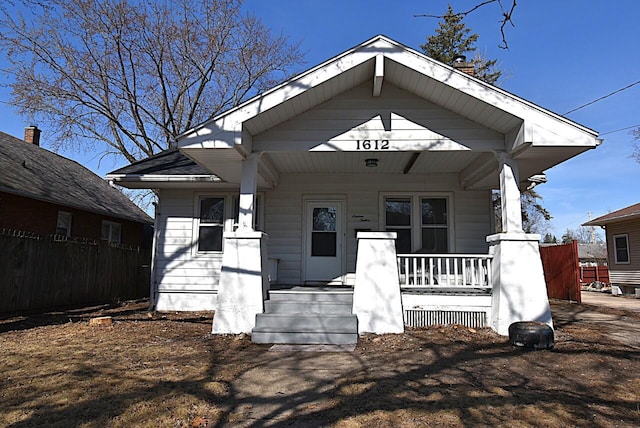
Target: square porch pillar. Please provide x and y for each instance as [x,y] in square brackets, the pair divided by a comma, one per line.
[244,282]
[519,288]
[376,294]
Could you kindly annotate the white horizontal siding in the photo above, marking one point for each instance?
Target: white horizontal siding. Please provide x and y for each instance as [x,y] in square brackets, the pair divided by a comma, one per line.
[356,112]
[184,281]
[179,270]
[284,212]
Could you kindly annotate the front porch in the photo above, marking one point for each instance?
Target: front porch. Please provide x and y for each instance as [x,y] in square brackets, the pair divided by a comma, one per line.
[436,289]
[390,292]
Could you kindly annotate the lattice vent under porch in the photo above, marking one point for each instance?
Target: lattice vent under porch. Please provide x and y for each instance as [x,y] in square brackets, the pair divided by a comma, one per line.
[426,318]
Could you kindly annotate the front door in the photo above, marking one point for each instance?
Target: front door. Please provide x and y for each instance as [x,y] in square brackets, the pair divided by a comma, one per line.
[324,241]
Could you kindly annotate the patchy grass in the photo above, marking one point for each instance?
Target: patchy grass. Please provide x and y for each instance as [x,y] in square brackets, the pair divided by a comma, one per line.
[151,369]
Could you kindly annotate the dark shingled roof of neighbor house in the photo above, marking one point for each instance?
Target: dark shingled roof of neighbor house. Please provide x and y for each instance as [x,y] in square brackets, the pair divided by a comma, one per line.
[34,172]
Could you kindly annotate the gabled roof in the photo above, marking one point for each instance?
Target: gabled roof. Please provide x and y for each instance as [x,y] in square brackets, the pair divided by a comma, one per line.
[487,120]
[403,66]
[628,213]
[34,172]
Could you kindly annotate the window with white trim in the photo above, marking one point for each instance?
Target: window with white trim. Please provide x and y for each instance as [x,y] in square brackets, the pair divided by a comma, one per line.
[621,248]
[111,231]
[210,223]
[63,226]
[420,221]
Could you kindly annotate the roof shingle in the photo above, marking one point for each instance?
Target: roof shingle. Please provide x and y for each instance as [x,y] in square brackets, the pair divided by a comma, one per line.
[626,213]
[31,171]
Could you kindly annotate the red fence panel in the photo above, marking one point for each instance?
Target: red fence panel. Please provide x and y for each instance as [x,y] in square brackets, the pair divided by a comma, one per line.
[562,271]
[589,274]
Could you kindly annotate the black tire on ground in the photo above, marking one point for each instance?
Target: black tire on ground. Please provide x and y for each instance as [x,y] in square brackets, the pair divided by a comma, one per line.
[531,335]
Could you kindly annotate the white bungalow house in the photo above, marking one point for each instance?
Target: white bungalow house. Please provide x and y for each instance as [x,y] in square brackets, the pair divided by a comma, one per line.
[366,179]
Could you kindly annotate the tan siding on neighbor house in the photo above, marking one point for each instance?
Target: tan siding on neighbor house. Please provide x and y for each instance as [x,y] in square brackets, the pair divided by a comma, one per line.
[625,274]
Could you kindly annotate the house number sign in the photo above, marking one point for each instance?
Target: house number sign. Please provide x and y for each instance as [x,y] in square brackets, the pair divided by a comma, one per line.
[372,144]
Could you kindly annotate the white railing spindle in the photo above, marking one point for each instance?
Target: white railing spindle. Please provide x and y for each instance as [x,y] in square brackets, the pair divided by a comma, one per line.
[457,271]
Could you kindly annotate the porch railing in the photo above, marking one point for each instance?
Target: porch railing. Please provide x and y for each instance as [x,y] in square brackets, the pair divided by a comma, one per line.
[445,271]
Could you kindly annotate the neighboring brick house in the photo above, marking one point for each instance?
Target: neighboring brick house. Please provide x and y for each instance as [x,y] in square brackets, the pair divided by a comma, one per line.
[44,193]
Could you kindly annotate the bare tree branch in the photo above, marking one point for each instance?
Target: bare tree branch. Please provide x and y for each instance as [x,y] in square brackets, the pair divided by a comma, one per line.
[133,75]
[506,16]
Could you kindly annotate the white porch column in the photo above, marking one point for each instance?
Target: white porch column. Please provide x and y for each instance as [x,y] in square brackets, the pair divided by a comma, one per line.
[248,187]
[376,294]
[243,282]
[519,288]
[510,193]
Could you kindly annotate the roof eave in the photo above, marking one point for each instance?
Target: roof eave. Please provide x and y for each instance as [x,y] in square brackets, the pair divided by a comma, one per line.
[76,206]
[616,219]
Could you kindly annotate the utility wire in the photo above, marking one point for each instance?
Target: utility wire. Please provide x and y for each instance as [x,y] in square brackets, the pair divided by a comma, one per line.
[621,129]
[602,98]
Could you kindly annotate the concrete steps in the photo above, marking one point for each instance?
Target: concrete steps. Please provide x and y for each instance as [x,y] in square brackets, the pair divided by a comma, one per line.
[307,315]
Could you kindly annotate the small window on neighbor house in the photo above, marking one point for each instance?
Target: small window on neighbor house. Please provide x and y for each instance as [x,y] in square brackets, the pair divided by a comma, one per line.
[63,227]
[621,248]
[111,232]
[211,224]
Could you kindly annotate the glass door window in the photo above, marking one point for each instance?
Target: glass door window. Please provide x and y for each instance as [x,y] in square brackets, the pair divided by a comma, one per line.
[323,233]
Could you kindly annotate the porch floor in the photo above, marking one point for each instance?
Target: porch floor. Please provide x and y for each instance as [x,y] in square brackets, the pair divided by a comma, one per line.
[330,288]
[448,291]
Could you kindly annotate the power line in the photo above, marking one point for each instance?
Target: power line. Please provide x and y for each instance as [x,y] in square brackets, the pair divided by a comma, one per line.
[621,129]
[602,98]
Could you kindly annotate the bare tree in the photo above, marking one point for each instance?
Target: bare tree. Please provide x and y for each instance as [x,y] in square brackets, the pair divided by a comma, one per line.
[506,13]
[135,74]
[584,235]
[636,145]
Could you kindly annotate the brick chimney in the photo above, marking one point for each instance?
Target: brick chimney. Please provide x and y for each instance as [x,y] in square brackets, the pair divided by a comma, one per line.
[460,63]
[32,135]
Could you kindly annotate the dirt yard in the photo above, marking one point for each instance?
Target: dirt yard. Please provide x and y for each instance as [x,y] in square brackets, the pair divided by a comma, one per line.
[166,370]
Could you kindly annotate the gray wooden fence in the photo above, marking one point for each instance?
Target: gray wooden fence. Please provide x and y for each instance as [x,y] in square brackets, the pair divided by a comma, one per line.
[40,272]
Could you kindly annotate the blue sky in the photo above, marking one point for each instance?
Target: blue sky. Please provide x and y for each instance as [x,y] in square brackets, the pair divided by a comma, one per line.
[562,54]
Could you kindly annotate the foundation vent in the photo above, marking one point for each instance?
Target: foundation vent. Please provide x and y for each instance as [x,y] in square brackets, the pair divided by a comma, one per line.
[422,318]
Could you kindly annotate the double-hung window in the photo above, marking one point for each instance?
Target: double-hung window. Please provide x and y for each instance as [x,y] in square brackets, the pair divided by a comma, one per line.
[420,221]
[63,226]
[210,224]
[621,248]
[111,232]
